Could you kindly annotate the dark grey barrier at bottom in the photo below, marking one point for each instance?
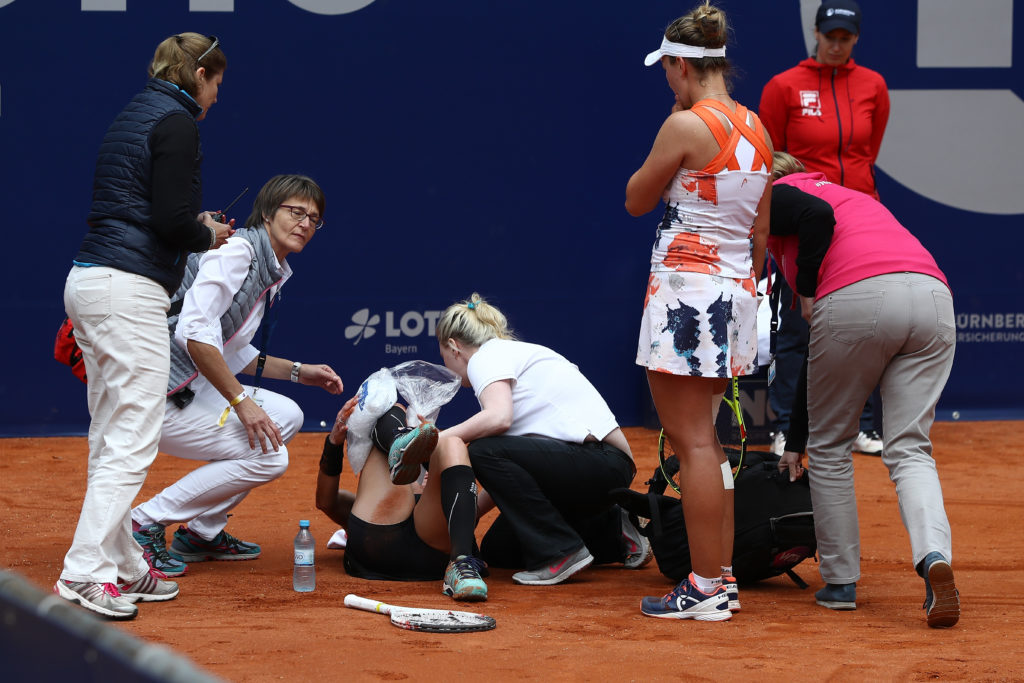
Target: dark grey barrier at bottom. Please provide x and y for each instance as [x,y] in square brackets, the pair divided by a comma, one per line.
[44,637]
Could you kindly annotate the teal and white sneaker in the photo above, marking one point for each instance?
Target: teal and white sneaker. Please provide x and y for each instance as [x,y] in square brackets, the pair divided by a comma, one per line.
[190,547]
[409,450]
[154,548]
[462,579]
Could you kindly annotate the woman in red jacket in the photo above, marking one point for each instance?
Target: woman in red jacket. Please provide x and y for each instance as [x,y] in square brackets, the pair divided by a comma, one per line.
[830,113]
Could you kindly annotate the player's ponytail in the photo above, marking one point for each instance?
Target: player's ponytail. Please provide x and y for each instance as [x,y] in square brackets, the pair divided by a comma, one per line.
[473,322]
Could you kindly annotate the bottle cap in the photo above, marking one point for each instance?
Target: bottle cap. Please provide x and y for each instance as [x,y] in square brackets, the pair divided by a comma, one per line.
[304,523]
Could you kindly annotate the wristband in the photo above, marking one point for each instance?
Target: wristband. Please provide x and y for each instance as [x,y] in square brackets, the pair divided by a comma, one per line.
[213,236]
[331,460]
[296,367]
[231,404]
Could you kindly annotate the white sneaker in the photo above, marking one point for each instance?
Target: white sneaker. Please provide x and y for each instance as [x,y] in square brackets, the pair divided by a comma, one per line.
[102,598]
[779,444]
[868,443]
[150,587]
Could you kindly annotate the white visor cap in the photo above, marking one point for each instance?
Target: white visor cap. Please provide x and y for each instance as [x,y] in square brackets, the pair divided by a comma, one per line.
[668,48]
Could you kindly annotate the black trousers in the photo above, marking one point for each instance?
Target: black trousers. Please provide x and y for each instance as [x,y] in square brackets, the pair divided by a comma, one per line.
[553,499]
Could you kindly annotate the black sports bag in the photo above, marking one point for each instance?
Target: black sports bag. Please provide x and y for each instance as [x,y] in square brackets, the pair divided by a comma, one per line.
[774,520]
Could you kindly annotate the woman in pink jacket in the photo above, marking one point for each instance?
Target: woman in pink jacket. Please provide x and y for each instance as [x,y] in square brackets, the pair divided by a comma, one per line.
[881,314]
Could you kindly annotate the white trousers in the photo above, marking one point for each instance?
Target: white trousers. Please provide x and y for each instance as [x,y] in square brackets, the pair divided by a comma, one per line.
[120,322]
[203,497]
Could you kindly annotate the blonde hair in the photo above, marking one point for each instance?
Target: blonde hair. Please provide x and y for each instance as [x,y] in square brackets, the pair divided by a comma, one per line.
[784,164]
[703,26]
[473,322]
[177,59]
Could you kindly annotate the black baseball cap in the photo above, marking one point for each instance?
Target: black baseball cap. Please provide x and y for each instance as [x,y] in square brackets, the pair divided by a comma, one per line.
[833,14]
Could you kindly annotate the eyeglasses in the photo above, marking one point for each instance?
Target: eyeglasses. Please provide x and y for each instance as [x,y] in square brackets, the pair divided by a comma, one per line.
[299,214]
[213,46]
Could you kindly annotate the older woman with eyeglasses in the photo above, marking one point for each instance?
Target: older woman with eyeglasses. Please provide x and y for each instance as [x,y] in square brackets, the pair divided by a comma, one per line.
[239,430]
[144,221]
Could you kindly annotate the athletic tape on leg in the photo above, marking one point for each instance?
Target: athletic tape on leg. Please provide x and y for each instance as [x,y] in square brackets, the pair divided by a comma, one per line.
[727,476]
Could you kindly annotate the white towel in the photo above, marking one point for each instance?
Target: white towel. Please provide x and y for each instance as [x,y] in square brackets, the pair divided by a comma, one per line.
[338,540]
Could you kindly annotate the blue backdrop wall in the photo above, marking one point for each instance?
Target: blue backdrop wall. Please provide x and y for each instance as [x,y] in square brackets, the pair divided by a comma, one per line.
[485,146]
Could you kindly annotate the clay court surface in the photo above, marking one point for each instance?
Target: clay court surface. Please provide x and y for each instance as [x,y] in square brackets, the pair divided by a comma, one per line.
[241,621]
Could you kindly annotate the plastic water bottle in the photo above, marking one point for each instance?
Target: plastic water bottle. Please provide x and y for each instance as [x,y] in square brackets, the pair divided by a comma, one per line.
[304,573]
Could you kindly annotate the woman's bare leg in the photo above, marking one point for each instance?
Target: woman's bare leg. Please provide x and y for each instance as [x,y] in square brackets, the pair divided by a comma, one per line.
[682,403]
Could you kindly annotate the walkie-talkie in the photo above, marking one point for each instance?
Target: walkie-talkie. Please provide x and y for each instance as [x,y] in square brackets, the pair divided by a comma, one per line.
[219,216]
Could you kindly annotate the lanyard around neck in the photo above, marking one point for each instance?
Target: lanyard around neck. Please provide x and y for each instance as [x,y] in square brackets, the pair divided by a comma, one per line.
[266,329]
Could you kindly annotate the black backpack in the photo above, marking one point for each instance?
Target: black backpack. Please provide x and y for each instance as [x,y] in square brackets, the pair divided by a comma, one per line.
[774,520]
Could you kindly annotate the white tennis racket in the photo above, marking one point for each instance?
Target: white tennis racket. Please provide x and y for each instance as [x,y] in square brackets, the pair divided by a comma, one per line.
[429,620]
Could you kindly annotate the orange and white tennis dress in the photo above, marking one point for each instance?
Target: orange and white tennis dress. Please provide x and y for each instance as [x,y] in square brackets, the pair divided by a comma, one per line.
[700,313]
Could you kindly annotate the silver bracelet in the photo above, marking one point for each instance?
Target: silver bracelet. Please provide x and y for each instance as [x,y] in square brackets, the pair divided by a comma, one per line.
[295,371]
[213,236]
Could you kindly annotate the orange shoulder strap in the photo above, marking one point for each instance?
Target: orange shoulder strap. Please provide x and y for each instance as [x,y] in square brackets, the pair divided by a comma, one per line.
[726,157]
[754,135]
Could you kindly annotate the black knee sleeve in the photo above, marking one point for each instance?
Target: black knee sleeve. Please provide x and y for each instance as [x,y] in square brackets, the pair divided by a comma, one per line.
[387,428]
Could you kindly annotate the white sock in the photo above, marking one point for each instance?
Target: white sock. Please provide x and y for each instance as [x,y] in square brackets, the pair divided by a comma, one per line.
[705,586]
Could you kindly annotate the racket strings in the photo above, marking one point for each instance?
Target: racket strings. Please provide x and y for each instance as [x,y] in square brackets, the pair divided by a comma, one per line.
[443,621]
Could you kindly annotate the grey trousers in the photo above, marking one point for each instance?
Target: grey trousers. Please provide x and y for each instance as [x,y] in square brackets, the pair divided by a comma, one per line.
[896,331]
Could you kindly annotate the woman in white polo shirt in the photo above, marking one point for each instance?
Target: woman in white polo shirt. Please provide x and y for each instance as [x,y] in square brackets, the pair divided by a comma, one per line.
[239,430]
[545,447]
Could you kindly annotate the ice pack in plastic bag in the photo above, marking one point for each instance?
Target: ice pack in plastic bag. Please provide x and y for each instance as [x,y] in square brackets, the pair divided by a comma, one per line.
[425,387]
[377,394]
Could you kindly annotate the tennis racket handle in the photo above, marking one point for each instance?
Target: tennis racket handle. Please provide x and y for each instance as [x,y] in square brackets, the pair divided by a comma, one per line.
[357,602]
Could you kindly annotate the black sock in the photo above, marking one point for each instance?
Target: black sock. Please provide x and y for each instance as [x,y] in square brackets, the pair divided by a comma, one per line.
[387,428]
[458,501]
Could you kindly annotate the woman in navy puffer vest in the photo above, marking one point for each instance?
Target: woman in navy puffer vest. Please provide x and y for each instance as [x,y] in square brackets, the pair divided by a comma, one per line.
[144,221]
